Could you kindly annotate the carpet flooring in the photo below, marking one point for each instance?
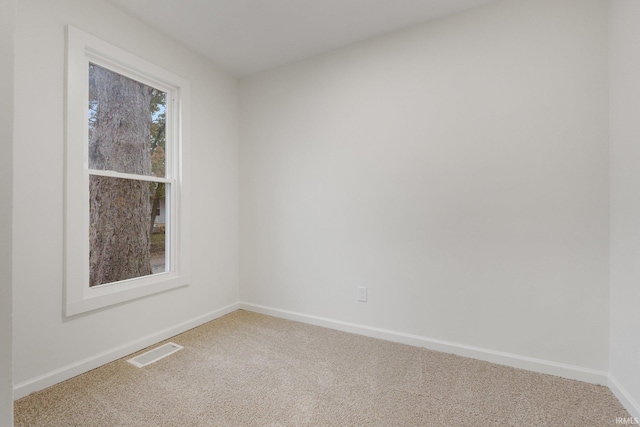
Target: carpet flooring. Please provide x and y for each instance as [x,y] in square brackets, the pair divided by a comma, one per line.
[247,369]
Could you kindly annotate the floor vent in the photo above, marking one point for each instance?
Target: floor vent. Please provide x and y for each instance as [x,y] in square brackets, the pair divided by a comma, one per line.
[154,355]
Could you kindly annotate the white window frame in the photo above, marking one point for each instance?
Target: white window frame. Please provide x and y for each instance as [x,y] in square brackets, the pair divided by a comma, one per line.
[82,49]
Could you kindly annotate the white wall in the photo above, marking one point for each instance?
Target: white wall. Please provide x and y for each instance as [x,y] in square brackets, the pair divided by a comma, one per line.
[458,169]
[625,202]
[7,27]
[46,343]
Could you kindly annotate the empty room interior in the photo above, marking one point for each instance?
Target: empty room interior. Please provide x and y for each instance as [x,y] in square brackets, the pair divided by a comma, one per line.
[455,176]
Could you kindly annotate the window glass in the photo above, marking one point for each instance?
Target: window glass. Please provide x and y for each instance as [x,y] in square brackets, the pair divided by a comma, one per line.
[124,240]
[126,124]
[127,134]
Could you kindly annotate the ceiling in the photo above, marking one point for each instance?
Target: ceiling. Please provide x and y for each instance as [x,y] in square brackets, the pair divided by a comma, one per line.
[248,36]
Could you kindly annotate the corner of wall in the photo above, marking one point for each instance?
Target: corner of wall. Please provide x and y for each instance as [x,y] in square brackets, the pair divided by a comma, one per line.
[624,202]
[624,396]
[7,27]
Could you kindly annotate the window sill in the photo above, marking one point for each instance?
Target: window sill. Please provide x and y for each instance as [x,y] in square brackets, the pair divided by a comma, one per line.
[112,294]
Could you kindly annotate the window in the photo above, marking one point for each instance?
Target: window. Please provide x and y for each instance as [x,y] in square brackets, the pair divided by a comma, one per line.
[124,160]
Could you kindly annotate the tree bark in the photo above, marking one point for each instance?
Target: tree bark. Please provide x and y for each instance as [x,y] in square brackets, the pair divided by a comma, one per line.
[119,238]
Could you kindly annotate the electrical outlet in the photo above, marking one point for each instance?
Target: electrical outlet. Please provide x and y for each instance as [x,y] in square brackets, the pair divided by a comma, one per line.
[362,293]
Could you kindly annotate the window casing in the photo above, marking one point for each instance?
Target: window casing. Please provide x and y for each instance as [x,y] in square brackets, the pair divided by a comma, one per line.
[83,52]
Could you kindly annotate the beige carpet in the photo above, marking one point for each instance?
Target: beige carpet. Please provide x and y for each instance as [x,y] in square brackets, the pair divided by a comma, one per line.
[247,369]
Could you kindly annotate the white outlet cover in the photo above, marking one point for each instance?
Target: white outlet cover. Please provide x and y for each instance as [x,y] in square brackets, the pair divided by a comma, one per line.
[362,293]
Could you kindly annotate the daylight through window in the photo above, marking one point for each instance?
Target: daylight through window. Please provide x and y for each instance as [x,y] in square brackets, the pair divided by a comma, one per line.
[127,122]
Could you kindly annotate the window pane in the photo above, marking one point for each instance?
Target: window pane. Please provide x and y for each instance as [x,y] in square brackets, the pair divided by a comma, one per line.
[126,124]
[126,238]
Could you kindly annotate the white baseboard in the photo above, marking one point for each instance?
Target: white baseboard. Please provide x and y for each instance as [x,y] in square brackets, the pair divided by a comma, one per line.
[522,362]
[624,397]
[507,359]
[47,380]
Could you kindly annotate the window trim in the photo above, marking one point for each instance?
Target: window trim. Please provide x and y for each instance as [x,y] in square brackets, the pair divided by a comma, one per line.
[82,49]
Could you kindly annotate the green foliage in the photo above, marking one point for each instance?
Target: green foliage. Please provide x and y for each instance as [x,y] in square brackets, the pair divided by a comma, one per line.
[158,141]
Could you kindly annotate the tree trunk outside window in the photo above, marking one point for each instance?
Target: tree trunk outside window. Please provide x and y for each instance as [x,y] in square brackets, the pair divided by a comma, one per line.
[119,238]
